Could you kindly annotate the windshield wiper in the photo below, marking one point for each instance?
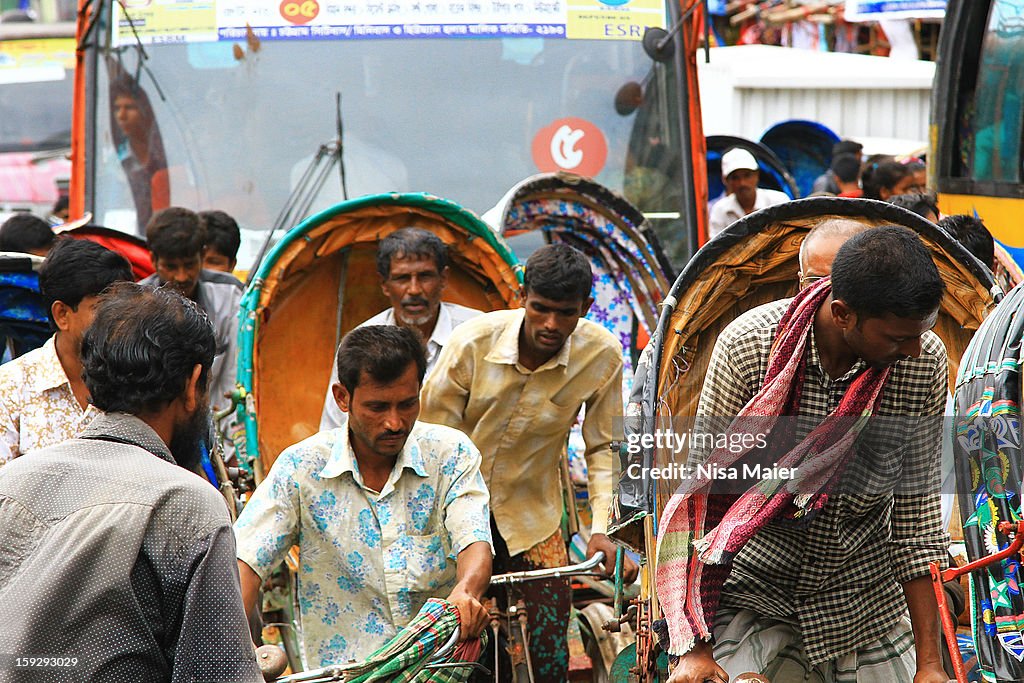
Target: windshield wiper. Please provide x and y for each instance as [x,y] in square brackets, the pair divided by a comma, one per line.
[313,179]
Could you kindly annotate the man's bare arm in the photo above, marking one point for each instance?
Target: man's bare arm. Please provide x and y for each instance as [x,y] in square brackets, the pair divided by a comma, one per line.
[474,575]
[924,617]
[251,583]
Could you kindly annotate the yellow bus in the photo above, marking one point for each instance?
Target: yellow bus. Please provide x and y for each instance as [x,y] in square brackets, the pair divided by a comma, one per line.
[977,129]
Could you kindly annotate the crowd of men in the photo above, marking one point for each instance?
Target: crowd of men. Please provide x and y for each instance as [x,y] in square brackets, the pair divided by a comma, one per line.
[436,466]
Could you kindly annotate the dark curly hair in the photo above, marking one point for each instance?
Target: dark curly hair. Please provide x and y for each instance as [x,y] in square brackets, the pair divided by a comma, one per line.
[383,351]
[139,352]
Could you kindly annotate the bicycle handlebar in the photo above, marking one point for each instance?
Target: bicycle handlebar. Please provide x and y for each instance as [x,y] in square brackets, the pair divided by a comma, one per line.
[585,568]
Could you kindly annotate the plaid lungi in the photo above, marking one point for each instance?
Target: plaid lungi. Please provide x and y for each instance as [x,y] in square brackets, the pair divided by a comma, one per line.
[747,642]
[404,658]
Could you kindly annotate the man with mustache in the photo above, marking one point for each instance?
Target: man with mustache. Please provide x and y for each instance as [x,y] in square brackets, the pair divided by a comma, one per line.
[413,268]
[116,561]
[387,511]
[177,242]
[515,382]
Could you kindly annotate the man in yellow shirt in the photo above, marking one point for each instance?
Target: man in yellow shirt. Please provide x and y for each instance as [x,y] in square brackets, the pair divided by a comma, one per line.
[514,381]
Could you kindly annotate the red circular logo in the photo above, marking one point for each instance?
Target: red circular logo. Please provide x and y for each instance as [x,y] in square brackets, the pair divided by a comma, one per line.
[570,144]
[300,11]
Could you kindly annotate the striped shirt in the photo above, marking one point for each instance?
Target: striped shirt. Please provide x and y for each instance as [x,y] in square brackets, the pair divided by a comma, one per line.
[838,577]
[520,419]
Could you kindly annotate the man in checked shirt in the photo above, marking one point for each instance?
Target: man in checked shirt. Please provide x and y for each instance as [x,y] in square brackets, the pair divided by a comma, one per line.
[514,381]
[847,595]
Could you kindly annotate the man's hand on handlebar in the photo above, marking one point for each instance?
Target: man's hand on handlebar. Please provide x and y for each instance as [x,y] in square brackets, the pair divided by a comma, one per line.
[603,543]
[473,617]
[698,666]
[474,573]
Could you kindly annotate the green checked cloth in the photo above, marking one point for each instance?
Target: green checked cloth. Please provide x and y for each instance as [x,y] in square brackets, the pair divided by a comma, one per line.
[403,659]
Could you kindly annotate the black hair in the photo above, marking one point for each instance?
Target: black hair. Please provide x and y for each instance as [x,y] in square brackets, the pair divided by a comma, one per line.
[879,174]
[61,204]
[140,351]
[176,232]
[558,272]
[75,269]
[887,270]
[846,167]
[409,242]
[222,233]
[383,352]
[920,203]
[971,232]
[24,232]
[847,147]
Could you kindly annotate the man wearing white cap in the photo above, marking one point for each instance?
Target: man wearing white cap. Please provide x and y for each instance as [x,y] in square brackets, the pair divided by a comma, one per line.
[743,196]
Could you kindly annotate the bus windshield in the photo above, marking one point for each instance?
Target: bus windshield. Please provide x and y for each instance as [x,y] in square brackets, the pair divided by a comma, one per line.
[232,120]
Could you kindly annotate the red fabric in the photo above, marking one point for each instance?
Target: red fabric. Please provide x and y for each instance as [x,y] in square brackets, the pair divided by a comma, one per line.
[129,246]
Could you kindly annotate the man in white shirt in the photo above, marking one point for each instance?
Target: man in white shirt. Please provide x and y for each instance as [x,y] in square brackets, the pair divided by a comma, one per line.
[413,268]
[743,196]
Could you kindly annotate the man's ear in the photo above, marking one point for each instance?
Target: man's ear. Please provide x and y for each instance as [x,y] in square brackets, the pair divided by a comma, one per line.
[445,272]
[153,259]
[61,313]
[842,315]
[586,306]
[341,396]
[192,392]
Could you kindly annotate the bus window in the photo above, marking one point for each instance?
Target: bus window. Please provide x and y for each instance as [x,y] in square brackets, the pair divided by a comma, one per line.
[993,145]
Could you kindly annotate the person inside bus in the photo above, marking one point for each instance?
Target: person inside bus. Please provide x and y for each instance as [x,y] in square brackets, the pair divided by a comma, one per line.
[139,147]
[741,175]
[884,177]
[388,511]
[60,211]
[27,234]
[413,267]
[222,241]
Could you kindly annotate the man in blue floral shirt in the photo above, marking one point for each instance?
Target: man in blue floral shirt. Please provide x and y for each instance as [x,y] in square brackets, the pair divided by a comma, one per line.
[387,511]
